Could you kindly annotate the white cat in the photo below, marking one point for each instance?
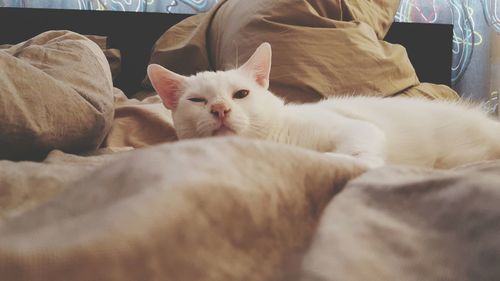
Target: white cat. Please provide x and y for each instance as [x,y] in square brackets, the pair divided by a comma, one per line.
[374,130]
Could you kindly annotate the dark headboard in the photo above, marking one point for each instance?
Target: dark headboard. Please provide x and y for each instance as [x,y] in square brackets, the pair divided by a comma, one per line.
[132,33]
[429,48]
[428,45]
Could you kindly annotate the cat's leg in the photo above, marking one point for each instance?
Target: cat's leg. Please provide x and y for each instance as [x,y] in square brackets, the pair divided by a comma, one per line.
[358,161]
[362,141]
[368,163]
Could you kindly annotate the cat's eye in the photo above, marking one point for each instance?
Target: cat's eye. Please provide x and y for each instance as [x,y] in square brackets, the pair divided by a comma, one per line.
[241,94]
[198,100]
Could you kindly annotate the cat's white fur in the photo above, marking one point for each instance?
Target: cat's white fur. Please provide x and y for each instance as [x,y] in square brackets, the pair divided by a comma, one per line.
[373,130]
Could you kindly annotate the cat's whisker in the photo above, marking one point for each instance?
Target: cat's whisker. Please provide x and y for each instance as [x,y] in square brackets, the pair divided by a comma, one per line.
[258,130]
[186,131]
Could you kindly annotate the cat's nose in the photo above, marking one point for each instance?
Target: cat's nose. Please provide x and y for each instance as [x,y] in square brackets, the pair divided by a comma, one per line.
[219,110]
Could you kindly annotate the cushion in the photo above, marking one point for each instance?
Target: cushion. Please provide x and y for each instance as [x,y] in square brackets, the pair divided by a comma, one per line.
[56,92]
[113,56]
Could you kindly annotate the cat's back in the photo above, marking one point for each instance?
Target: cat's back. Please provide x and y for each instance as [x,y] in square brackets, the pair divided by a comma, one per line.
[403,110]
[424,132]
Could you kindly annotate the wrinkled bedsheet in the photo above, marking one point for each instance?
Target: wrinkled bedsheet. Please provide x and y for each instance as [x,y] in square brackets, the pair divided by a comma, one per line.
[237,209]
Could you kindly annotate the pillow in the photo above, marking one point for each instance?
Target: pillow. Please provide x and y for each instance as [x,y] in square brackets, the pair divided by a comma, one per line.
[56,92]
[320,48]
[113,56]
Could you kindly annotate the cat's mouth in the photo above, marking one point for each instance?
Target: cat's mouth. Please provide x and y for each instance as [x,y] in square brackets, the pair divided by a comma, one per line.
[223,131]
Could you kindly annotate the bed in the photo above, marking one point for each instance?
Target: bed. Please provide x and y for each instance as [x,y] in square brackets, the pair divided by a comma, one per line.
[94,184]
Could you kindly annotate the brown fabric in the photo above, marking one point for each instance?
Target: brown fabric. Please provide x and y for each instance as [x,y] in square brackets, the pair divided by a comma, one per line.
[113,56]
[55,92]
[139,123]
[320,48]
[314,56]
[378,14]
[402,223]
[215,209]
[27,185]
[184,48]
[431,91]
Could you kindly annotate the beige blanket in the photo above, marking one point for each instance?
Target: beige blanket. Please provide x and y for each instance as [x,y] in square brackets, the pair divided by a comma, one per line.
[402,223]
[234,209]
[219,209]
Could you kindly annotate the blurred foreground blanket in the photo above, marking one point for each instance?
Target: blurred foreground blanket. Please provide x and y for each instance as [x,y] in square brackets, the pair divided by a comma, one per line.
[226,209]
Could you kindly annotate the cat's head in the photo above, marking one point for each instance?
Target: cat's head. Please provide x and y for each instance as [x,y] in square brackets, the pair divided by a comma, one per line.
[233,102]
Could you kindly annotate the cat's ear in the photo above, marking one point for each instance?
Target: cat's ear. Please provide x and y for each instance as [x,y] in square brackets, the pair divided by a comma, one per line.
[167,84]
[259,65]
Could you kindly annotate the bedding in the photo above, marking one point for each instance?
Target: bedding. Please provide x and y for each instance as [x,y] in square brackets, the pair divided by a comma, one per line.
[55,92]
[113,56]
[403,223]
[235,209]
[119,198]
[320,48]
[218,209]
[139,123]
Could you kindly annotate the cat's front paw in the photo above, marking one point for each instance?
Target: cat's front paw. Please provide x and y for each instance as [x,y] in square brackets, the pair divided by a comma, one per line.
[369,163]
[372,163]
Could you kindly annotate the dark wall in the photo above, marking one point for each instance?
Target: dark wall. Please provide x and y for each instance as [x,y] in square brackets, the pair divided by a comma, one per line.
[135,33]
[132,33]
[429,48]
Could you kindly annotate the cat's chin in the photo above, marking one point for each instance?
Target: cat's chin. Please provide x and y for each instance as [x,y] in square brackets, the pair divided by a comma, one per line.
[224,131]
